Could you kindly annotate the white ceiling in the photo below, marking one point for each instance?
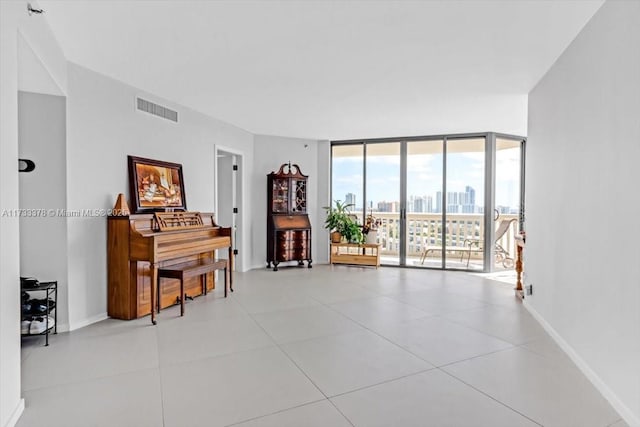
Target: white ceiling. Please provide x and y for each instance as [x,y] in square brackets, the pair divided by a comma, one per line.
[329,69]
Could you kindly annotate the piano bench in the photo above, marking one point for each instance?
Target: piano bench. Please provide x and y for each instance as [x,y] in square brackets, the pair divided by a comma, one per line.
[189,269]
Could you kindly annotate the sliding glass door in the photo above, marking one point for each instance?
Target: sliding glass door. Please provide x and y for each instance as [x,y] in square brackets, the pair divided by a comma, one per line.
[464,202]
[424,203]
[437,198]
[508,199]
[382,189]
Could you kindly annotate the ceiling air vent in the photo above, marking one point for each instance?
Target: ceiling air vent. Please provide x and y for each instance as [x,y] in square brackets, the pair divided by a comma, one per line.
[157,110]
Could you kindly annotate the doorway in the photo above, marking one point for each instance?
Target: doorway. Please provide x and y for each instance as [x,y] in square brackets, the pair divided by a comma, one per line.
[229,202]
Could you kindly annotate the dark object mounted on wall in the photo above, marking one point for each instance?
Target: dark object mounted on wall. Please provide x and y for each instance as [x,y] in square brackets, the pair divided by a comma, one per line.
[33,10]
[26,165]
[156,186]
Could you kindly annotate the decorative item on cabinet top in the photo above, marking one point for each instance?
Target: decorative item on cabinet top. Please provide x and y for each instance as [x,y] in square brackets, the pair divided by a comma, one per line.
[288,225]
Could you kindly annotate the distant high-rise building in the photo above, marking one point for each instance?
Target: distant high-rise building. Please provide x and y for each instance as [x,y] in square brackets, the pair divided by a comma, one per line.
[471,195]
[462,198]
[428,204]
[453,208]
[418,204]
[468,208]
[452,199]
[387,206]
[350,199]
[438,202]
[462,202]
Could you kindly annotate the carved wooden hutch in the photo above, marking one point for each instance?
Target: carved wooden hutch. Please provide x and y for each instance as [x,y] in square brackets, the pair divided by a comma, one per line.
[288,226]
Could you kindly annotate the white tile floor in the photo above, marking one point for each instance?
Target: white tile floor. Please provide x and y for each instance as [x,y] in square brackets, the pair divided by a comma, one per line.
[328,346]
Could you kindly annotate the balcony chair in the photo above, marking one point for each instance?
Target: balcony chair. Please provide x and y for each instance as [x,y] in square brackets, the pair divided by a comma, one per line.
[501,254]
[475,245]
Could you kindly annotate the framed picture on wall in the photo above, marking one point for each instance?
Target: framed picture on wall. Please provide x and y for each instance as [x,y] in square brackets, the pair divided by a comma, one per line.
[155,185]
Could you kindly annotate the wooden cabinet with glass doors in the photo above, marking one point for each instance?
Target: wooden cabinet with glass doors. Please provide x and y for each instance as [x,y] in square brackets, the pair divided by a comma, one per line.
[288,226]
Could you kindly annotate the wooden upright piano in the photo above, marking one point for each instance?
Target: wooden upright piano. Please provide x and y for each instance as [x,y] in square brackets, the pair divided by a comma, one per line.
[137,247]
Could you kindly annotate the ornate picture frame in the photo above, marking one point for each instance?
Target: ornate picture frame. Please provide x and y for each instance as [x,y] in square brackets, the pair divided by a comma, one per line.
[156,186]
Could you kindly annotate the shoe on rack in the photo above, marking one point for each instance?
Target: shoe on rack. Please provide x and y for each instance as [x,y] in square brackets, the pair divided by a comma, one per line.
[25,327]
[39,306]
[26,308]
[39,324]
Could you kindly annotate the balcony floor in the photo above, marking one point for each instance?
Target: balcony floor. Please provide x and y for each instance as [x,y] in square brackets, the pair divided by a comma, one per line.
[453,262]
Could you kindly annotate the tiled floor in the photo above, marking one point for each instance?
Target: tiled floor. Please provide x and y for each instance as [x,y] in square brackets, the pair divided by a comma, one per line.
[328,346]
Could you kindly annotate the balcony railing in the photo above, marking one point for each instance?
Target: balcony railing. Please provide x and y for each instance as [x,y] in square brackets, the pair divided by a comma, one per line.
[424,230]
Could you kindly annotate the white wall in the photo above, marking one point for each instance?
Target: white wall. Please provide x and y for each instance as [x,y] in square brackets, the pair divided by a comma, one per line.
[323,198]
[15,22]
[582,254]
[271,152]
[43,236]
[103,128]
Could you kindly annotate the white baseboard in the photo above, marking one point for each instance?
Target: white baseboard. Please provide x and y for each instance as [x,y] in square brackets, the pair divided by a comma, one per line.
[63,327]
[15,416]
[86,322]
[624,411]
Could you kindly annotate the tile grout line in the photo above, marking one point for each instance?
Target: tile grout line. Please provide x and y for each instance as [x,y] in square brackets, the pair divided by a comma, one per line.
[274,413]
[435,366]
[297,366]
[323,304]
[355,390]
[512,346]
[490,397]
[86,380]
[275,344]
[481,331]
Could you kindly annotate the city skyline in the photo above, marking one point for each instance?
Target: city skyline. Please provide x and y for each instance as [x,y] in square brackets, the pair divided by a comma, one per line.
[456,202]
[424,181]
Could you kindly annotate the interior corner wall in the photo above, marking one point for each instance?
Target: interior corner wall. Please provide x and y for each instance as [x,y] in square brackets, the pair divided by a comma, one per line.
[15,21]
[582,199]
[103,127]
[270,153]
[43,232]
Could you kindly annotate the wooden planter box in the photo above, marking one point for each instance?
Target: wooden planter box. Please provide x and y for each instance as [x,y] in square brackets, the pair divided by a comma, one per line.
[356,254]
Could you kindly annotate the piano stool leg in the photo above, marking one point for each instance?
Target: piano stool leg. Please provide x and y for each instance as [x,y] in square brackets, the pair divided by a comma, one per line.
[203,280]
[182,297]
[155,281]
[226,282]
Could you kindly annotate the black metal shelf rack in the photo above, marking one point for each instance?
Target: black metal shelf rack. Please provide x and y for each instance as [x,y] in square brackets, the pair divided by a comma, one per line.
[50,289]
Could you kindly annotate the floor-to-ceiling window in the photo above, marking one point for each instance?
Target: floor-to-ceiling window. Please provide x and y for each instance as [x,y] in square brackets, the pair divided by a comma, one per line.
[347,175]
[424,203]
[464,202]
[437,198]
[382,189]
[508,196]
